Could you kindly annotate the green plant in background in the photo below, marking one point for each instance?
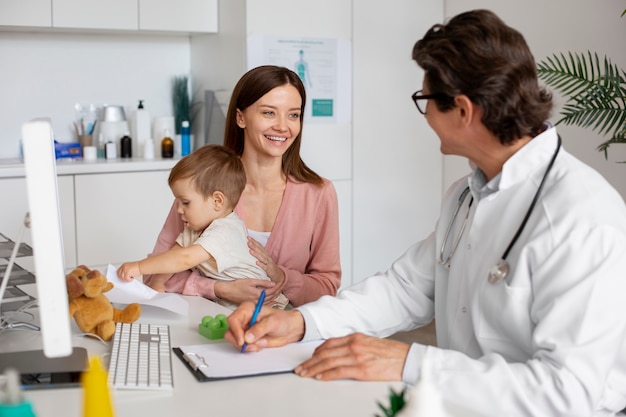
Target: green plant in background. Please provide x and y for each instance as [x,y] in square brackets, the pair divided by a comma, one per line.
[396,403]
[595,93]
[181,101]
[185,107]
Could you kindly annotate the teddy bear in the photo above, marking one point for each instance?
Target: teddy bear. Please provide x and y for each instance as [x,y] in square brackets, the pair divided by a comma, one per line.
[90,308]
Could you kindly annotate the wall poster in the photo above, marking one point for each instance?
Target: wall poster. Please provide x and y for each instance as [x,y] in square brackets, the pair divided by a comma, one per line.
[323,64]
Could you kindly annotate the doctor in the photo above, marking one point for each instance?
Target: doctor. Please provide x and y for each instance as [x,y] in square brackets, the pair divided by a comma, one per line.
[525,271]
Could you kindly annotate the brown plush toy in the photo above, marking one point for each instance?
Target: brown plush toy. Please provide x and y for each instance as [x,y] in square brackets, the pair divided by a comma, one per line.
[90,308]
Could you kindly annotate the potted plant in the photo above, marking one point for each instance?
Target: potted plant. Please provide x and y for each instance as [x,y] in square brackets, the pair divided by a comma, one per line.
[185,109]
[595,93]
[181,101]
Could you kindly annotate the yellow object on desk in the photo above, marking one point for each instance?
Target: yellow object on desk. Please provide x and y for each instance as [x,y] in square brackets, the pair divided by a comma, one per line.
[96,395]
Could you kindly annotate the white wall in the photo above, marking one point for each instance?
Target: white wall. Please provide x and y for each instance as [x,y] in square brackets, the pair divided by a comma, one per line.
[46,74]
[396,161]
[385,162]
[559,26]
[394,170]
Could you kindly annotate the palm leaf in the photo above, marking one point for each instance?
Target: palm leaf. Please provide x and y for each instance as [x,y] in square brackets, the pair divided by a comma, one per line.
[595,93]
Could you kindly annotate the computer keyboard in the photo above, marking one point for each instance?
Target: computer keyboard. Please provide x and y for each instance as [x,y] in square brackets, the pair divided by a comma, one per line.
[141,357]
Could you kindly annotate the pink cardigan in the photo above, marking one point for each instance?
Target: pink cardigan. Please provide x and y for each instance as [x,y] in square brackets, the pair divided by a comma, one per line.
[304,243]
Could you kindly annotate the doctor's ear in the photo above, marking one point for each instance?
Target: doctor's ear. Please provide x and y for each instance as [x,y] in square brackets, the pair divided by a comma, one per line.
[465,107]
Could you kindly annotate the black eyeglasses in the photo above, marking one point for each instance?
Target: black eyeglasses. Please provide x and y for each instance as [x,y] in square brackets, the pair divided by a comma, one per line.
[417,96]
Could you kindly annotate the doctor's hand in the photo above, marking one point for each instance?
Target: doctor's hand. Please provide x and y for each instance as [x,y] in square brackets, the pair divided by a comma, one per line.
[240,290]
[356,356]
[273,327]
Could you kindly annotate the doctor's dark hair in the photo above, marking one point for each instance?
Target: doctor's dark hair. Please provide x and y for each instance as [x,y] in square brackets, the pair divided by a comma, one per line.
[253,85]
[212,168]
[476,54]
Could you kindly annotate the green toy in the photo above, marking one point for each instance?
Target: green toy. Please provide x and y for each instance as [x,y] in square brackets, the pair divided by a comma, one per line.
[213,328]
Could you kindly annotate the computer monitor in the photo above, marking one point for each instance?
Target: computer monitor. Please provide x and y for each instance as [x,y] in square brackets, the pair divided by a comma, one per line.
[47,238]
[59,363]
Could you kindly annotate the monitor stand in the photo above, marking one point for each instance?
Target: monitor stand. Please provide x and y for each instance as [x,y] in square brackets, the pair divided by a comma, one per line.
[37,371]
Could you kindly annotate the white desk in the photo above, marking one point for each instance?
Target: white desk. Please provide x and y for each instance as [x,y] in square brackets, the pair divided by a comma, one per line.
[273,395]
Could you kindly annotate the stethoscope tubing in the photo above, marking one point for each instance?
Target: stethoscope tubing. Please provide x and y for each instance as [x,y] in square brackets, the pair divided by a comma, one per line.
[500,270]
[521,227]
[462,197]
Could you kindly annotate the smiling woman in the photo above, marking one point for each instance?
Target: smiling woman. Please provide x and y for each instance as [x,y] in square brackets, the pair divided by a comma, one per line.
[273,119]
[290,210]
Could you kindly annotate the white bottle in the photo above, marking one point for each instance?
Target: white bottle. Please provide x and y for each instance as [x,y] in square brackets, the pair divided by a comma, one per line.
[424,399]
[141,130]
[148,149]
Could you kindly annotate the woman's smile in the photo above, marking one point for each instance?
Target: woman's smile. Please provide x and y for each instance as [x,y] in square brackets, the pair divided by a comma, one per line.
[276,138]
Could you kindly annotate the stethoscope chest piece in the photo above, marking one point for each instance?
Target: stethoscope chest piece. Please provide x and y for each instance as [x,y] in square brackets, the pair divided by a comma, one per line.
[498,272]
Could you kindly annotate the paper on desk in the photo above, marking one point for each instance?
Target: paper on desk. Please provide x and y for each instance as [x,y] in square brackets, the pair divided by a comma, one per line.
[137,292]
[212,361]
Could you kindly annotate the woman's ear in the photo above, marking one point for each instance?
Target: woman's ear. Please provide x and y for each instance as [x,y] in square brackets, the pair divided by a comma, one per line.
[239,117]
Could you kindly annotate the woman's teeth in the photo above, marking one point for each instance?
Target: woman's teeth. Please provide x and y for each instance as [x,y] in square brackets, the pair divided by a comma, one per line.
[276,138]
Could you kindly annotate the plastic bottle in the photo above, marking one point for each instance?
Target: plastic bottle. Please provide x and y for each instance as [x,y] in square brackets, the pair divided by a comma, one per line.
[101,146]
[148,149]
[167,145]
[185,139]
[126,146]
[96,395]
[424,398]
[14,404]
[141,132]
[110,150]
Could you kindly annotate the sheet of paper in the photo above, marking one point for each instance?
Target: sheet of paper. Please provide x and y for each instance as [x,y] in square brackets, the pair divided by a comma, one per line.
[136,292]
[223,360]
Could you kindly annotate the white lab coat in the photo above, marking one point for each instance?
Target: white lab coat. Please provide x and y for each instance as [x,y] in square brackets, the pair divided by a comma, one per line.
[549,340]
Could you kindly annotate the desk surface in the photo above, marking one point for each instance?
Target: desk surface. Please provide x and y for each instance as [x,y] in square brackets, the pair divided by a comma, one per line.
[272,395]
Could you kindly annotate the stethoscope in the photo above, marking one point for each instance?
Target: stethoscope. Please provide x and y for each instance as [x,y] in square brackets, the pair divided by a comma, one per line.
[500,270]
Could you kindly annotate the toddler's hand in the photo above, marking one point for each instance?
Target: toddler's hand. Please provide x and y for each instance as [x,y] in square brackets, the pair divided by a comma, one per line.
[128,271]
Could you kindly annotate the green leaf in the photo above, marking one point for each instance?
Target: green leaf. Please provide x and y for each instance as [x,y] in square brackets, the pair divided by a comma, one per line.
[396,403]
[594,89]
[180,101]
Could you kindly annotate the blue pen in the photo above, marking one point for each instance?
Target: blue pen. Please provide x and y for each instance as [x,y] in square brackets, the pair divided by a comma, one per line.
[259,304]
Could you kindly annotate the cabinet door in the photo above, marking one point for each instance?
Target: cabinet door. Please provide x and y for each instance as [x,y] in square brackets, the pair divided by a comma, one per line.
[178,15]
[14,189]
[95,14]
[119,215]
[35,13]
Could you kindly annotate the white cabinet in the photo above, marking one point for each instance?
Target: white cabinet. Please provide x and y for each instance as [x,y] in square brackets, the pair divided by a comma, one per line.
[180,16]
[15,206]
[109,217]
[191,16]
[119,215]
[95,14]
[33,13]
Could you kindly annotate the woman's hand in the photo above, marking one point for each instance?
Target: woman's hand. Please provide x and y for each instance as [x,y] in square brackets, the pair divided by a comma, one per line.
[240,290]
[265,262]
[273,327]
[356,356]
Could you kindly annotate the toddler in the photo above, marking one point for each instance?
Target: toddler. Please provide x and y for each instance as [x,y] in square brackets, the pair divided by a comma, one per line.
[207,185]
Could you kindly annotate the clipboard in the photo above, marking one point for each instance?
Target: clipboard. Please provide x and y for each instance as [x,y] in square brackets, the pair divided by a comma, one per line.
[217,361]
